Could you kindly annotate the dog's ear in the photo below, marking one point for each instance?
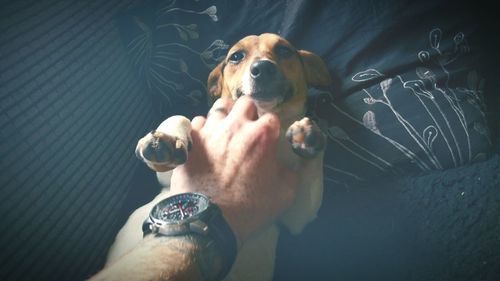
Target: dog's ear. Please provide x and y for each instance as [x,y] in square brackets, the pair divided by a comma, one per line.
[317,74]
[214,83]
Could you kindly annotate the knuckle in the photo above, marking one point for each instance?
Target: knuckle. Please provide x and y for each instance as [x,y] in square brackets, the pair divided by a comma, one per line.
[198,119]
[271,123]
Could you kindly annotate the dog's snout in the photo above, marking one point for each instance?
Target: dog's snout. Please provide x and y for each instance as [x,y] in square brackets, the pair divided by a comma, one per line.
[262,69]
[266,81]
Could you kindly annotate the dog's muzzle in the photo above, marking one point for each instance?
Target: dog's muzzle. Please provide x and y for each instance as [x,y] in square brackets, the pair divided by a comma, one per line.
[267,82]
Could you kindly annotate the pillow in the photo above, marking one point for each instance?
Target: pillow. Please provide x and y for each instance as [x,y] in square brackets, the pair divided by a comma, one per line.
[416,121]
[409,91]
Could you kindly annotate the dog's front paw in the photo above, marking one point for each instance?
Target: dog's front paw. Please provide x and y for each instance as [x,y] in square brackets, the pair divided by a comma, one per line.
[306,139]
[163,151]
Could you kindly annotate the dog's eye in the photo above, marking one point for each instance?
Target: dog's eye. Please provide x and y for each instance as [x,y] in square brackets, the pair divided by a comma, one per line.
[283,51]
[236,57]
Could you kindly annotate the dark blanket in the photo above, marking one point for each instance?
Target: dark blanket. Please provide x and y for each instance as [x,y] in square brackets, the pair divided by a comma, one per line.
[440,226]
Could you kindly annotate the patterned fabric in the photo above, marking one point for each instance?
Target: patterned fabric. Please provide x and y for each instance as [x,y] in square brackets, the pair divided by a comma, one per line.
[416,121]
[399,109]
[160,45]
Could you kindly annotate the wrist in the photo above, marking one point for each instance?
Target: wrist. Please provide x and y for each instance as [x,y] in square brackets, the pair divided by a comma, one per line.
[192,217]
[168,258]
[203,258]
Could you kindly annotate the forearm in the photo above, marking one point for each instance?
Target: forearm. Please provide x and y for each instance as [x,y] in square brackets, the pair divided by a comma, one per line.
[187,257]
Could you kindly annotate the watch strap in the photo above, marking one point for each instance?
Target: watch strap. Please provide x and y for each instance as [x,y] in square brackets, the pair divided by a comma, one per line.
[224,238]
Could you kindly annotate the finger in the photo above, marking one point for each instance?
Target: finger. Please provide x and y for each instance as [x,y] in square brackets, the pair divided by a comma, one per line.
[245,107]
[220,108]
[198,122]
[218,112]
[270,122]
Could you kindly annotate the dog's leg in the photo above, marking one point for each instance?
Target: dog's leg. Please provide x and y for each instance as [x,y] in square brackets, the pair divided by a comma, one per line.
[162,150]
[166,147]
[308,142]
[256,258]
[306,138]
[309,196]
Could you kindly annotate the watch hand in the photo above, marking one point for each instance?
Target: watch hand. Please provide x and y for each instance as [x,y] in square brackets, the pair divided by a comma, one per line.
[182,211]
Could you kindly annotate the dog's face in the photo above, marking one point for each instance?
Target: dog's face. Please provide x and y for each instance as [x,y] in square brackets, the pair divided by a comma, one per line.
[271,71]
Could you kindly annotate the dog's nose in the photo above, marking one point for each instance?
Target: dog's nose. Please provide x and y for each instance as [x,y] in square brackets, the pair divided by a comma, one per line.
[262,69]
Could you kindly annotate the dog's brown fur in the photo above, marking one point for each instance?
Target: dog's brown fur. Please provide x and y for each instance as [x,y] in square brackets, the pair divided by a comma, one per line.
[302,69]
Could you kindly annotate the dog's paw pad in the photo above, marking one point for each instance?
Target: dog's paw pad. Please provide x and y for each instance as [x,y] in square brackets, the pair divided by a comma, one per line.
[162,151]
[305,138]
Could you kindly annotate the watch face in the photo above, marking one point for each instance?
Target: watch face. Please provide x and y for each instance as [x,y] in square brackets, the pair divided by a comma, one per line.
[180,207]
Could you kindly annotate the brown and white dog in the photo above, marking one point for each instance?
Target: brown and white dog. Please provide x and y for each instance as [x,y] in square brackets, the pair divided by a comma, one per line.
[276,76]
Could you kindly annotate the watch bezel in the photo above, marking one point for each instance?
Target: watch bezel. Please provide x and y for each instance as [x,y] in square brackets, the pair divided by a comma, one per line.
[194,223]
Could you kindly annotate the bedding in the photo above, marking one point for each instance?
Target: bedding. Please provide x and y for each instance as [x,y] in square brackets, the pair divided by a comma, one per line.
[412,166]
[408,94]
[408,101]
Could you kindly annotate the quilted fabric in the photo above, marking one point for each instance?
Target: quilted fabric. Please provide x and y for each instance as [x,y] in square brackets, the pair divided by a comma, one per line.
[438,226]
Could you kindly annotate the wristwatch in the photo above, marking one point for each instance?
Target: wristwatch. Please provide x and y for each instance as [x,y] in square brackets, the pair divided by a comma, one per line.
[188,213]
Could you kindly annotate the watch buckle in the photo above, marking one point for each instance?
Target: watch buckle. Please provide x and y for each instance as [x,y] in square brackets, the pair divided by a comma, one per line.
[199,226]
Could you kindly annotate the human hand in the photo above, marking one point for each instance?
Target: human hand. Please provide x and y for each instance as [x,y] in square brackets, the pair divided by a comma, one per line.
[234,162]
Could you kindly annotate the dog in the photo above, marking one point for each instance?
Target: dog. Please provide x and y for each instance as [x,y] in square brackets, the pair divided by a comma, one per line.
[276,76]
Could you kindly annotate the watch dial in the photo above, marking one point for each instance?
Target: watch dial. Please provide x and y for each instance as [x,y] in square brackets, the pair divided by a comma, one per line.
[180,207]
